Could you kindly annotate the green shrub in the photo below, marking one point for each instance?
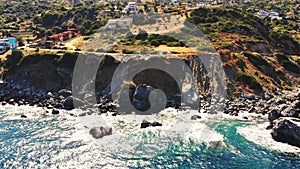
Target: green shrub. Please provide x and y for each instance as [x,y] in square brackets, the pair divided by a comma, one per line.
[129,43]
[287,63]
[14,58]
[255,59]
[248,80]
[125,51]
[111,51]
[226,45]
[155,43]
[143,43]
[174,44]
[298,61]
[86,38]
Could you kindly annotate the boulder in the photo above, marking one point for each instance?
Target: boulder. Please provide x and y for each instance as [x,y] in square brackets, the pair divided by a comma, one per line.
[280,101]
[195,117]
[55,111]
[249,96]
[68,103]
[23,116]
[296,105]
[65,93]
[99,132]
[286,131]
[154,124]
[273,115]
[290,112]
[145,124]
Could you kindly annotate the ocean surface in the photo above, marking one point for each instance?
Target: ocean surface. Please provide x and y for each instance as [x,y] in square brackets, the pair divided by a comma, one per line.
[45,141]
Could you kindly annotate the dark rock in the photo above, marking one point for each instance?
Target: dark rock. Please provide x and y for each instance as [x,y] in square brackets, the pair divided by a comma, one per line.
[273,115]
[55,111]
[49,107]
[58,106]
[249,96]
[99,132]
[82,114]
[296,105]
[23,116]
[65,93]
[287,132]
[280,101]
[270,126]
[141,97]
[290,112]
[73,115]
[11,101]
[115,113]
[226,111]
[154,124]
[145,124]
[252,109]
[195,117]
[68,103]
[3,103]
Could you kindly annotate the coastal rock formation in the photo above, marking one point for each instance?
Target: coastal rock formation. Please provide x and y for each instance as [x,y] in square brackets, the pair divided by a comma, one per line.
[99,132]
[287,131]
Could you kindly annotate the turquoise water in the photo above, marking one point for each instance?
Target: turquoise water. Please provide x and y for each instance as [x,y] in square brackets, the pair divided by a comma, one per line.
[27,144]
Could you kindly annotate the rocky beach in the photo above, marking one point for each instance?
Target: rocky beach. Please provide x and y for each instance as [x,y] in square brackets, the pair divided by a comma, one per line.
[23,87]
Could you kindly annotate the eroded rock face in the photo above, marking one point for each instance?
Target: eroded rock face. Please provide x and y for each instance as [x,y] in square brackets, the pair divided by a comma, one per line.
[287,131]
[99,132]
[141,97]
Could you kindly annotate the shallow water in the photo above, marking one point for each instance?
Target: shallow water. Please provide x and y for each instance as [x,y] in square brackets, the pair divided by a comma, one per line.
[52,142]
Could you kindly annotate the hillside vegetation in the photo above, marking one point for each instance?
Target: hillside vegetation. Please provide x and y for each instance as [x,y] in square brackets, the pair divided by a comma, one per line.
[255,55]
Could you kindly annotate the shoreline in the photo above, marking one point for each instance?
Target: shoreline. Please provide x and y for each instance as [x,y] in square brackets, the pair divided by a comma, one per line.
[256,132]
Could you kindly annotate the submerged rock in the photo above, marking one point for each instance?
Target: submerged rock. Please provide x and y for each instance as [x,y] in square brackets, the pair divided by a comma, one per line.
[99,132]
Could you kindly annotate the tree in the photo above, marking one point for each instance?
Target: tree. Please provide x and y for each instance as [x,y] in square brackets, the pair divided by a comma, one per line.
[20,41]
[142,35]
[14,58]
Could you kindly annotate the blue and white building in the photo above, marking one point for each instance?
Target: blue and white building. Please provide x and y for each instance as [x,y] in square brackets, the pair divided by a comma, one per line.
[7,44]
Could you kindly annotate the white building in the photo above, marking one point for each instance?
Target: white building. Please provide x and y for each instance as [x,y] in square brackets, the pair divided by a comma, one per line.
[4,45]
[123,23]
[7,43]
[264,14]
[131,8]
[274,15]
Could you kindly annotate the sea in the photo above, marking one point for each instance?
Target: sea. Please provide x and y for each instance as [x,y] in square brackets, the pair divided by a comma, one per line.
[43,140]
